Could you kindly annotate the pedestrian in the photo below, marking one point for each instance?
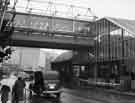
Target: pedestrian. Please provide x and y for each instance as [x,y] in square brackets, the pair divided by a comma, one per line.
[5,93]
[18,90]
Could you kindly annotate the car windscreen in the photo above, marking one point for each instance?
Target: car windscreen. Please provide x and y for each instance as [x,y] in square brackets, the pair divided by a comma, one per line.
[51,76]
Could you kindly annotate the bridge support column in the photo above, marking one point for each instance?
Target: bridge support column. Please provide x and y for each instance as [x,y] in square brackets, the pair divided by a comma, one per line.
[81,57]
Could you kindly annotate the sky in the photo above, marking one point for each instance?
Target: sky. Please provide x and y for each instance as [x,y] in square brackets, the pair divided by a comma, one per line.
[111,8]
[58,51]
[101,8]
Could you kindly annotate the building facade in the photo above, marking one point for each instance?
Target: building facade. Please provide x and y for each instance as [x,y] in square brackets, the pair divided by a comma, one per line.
[31,58]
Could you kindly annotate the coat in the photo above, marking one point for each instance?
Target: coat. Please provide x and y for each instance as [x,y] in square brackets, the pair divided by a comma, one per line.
[18,89]
[5,92]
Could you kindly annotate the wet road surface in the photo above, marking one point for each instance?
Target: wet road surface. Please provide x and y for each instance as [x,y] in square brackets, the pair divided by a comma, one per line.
[65,98]
[78,96]
[68,97]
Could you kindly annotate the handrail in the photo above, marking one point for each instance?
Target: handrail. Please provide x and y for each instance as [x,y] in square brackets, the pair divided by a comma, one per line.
[27,94]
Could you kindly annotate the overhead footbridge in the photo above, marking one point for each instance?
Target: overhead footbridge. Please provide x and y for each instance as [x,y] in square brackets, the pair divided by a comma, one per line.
[34,30]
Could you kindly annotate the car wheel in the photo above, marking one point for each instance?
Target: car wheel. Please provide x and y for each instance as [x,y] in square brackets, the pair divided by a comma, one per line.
[58,97]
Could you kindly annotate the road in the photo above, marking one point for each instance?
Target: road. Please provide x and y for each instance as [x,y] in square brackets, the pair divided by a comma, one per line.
[77,96]
[65,98]
[68,97]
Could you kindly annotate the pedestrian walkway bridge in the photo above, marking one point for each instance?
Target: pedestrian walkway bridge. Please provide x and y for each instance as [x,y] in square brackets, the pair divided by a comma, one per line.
[37,30]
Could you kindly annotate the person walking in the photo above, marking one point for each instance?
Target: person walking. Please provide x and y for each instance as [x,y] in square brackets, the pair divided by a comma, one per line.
[18,90]
[5,93]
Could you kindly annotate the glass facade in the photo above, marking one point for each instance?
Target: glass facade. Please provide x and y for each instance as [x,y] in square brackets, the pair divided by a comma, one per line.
[114,51]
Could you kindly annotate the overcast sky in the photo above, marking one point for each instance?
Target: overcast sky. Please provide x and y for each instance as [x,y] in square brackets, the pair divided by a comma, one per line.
[111,8]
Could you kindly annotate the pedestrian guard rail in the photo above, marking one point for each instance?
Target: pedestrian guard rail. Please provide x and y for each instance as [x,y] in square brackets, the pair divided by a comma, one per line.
[27,95]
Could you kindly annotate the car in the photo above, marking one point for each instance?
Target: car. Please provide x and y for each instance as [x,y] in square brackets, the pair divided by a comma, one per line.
[9,81]
[46,84]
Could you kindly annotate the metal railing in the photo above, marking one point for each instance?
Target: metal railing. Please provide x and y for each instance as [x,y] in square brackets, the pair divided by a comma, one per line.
[27,95]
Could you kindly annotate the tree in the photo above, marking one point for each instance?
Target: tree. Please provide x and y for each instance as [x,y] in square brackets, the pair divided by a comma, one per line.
[5,53]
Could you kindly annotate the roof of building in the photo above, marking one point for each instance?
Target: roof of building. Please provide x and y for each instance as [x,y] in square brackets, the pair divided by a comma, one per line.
[78,58]
[128,25]
[64,56]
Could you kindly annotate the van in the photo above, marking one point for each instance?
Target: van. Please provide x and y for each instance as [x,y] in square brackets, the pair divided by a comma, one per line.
[46,84]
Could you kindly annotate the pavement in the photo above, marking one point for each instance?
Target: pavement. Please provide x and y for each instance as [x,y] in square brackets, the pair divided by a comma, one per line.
[105,89]
[102,94]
